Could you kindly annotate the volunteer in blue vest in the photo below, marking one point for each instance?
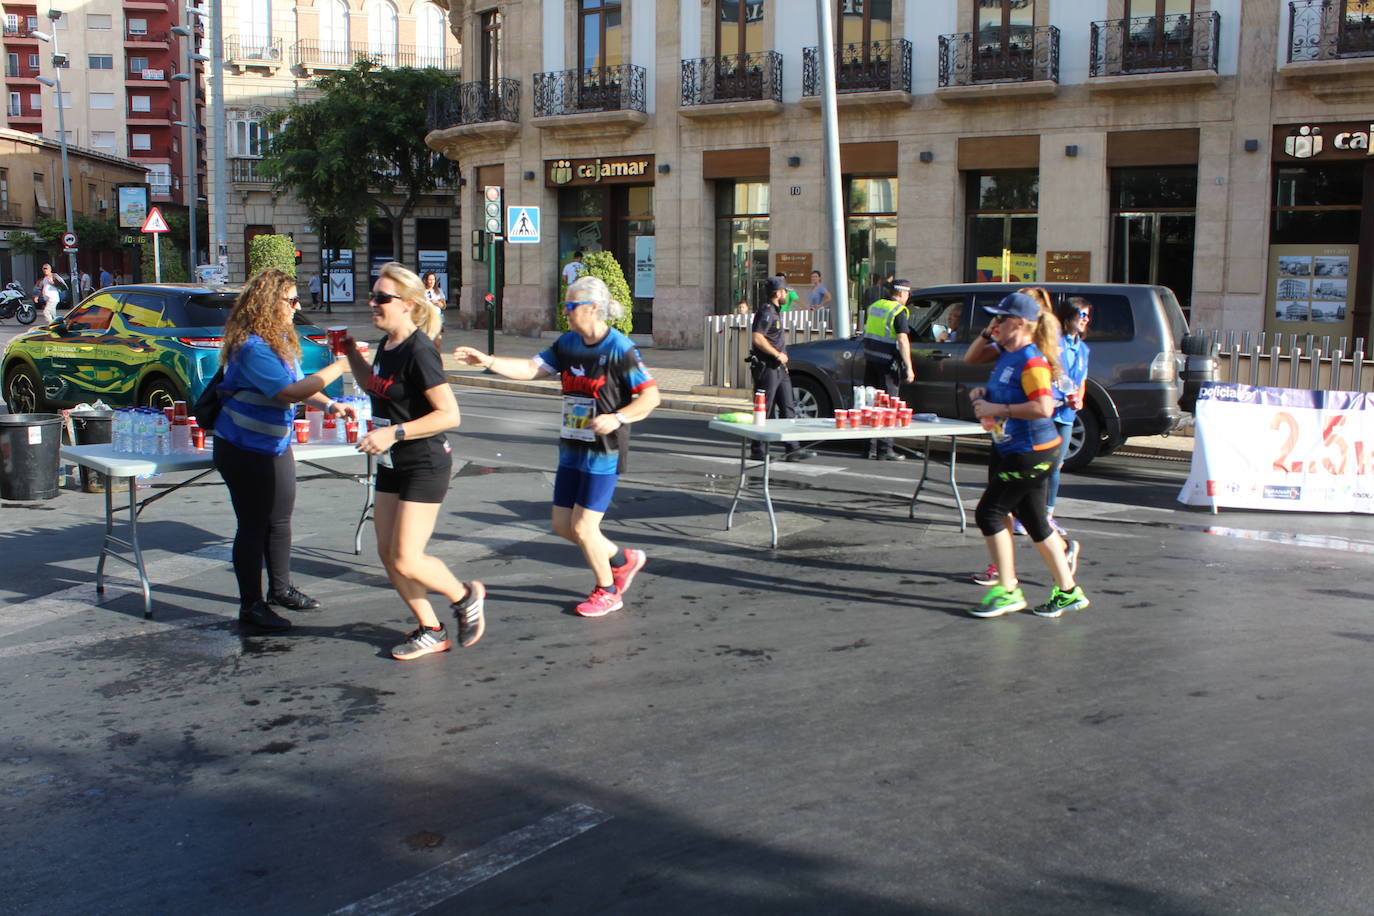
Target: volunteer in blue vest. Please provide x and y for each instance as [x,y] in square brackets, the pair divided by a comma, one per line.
[768,360]
[263,381]
[887,355]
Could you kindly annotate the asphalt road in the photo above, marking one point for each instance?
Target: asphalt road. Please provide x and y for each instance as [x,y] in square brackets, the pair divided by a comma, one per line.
[817,728]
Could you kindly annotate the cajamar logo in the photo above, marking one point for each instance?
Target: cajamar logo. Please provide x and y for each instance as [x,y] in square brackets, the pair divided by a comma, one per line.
[561,172]
[1303,143]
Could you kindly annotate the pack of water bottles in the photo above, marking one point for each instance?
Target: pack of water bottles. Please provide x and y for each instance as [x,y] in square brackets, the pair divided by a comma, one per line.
[141,431]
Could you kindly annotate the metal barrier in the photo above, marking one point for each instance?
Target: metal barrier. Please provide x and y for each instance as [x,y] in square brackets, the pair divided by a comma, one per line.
[1292,360]
[727,344]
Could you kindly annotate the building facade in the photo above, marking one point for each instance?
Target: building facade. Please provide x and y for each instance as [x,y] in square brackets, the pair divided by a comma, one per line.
[31,189]
[1219,147]
[273,52]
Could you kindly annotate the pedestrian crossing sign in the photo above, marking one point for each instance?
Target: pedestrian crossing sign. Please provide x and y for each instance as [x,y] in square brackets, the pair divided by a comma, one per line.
[522,225]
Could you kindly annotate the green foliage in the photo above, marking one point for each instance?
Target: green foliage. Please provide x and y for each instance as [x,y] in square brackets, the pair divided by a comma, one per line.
[272,251]
[23,243]
[96,234]
[604,265]
[358,150]
[173,269]
[50,230]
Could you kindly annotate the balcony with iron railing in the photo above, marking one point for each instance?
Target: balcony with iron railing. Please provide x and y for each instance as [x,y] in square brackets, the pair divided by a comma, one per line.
[11,214]
[151,114]
[1000,62]
[470,115]
[603,98]
[246,171]
[1330,37]
[747,85]
[19,31]
[248,51]
[21,72]
[866,73]
[1150,52]
[314,54]
[146,37]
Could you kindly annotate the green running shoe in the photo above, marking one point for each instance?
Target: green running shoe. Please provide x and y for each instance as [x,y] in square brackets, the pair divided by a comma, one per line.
[999,601]
[1061,601]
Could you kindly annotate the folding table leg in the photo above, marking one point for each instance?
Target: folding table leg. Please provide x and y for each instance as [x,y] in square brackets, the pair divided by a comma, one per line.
[369,499]
[921,482]
[954,481]
[768,496]
[743,480]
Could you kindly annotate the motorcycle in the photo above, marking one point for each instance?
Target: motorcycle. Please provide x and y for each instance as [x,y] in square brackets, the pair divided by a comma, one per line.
[15,303]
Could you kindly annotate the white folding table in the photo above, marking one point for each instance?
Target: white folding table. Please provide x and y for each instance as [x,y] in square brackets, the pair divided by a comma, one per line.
[823,430]
[123,466]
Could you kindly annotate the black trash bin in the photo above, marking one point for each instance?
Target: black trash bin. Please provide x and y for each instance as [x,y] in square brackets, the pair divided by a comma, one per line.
[29,444]
[92,427]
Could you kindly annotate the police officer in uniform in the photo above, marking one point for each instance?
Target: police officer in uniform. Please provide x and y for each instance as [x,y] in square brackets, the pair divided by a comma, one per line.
[768,357]
[887,355]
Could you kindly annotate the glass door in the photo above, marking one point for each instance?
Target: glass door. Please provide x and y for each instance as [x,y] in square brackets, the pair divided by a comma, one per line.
[1155,248]
[1004,41]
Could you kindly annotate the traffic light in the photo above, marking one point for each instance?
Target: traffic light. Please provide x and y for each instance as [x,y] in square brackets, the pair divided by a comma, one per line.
[493,209]
[298,255]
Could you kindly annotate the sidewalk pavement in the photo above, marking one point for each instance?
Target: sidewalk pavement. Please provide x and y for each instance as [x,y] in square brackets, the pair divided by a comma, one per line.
[679,374]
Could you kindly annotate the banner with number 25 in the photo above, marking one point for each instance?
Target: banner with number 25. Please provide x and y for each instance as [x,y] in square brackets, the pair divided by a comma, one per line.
[1282,448]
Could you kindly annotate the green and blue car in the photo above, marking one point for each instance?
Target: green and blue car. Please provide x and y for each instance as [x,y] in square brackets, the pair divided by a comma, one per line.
[135,345]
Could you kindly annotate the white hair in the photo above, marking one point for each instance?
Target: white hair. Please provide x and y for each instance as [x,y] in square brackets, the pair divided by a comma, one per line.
[593,289]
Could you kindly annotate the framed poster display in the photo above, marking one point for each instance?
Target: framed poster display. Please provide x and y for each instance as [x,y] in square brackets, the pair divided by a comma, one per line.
[1310,289]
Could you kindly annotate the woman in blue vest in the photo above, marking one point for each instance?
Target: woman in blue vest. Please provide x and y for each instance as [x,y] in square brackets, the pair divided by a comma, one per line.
[262,383]
[1074,314]
[1016,407]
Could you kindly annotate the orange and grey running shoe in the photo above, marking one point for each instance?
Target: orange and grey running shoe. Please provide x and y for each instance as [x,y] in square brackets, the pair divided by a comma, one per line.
[470,614]
[421,641]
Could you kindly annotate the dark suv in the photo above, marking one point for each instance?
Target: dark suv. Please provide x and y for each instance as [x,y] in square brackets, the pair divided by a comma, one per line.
[1143,373]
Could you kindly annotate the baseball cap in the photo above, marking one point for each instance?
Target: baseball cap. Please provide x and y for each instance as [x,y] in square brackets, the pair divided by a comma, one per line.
[1018,305]
[776,283]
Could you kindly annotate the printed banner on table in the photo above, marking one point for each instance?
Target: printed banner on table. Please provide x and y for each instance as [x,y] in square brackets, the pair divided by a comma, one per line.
[1282,448]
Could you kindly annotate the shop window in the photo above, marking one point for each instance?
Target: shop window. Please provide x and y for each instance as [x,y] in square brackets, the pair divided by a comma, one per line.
[1003,221]
[1317,204]
[742,243]
[871,234]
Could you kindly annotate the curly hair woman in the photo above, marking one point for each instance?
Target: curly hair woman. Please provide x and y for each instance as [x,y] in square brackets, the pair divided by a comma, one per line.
[262,382]
[412,407]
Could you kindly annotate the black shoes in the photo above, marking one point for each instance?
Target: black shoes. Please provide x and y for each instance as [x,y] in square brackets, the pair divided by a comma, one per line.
[293,599]
[259,618]
[799,454]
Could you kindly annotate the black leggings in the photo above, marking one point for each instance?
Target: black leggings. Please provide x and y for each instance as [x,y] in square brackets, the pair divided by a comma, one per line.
[263,491]
[1017,486]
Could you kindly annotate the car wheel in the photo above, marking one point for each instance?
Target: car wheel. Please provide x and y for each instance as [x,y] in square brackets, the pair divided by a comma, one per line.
[1085,440]
[810,397]
[160,391]
[23,392]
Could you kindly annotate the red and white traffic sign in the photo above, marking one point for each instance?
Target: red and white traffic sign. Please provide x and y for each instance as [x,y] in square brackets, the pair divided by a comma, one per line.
[155,222]
[69,240]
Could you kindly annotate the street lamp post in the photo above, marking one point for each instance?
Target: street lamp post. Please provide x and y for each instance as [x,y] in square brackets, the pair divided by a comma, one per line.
[191,123]
[59,60]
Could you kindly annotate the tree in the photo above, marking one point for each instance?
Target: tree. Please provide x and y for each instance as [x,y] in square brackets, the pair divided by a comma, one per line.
[276,251]
[604,265]
[173,270]
[358,151]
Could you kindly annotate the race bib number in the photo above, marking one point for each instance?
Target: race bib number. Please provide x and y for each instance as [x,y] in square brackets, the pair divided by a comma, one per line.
[578,413]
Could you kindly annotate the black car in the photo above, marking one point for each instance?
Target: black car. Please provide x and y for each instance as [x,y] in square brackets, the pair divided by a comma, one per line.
[1143,373]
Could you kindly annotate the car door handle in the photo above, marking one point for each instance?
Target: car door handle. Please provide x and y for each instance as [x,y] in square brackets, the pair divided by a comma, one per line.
[939,354]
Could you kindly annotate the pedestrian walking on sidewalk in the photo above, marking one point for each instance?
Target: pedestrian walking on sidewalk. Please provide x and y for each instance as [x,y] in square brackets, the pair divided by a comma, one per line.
[262,383]
[605,389]
[412,408]
[1016,406]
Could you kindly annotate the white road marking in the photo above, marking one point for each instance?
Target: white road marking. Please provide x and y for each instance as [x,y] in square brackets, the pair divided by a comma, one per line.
[448,879]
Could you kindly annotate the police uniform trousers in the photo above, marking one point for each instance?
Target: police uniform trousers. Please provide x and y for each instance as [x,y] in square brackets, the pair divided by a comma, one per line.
[881,373]
[776,386]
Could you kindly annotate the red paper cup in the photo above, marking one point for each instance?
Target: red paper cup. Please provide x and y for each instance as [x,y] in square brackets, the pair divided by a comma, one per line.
[302,431]
[841,419]
[866,417]
[351,430]
[197,437]
[336,339]
[179,411]
[904,416]
[171,414]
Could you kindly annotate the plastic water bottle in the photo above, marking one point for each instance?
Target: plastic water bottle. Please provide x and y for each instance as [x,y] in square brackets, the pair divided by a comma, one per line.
[117,430]
[162,435]
[146,440]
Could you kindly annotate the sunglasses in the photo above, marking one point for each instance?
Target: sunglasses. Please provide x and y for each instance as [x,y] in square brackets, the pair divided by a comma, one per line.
[294,300]
[1085,316]
[381,298]
[574,306]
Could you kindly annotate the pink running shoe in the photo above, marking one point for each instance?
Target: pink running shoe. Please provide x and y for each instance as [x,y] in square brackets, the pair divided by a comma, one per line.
[986,577]
[624,575]
[600,603]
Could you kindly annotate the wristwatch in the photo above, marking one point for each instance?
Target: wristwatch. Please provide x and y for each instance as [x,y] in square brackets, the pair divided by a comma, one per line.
[400,432]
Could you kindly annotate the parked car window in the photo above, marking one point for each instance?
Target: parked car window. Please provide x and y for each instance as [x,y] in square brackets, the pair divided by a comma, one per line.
[143,310]
[946,322]
[93,315]
[1112,317]
[204,310]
